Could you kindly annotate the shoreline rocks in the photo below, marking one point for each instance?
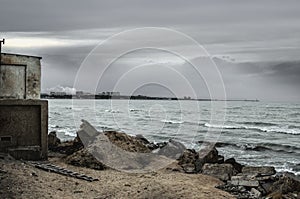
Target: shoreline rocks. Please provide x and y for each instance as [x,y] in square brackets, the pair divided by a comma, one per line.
[263,171]
[239,180]
[262,182]
[221,171]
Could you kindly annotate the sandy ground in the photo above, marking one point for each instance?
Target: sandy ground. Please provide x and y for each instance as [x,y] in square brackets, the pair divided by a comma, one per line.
[21,180]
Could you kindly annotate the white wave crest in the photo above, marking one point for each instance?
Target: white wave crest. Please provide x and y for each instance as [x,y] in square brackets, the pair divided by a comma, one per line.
[262,129]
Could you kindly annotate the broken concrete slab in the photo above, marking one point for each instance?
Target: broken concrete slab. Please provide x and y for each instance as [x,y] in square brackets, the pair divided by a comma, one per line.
[112,155]
[221,171]
[264,170]
[246,181]
[252,177]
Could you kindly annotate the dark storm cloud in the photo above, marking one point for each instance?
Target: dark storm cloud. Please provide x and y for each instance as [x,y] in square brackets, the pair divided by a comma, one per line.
[261,80]
[257,41]
[289,72]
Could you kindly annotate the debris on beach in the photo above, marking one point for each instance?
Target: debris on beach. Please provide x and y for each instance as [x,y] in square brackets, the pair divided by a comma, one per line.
[56,169]
[262,185]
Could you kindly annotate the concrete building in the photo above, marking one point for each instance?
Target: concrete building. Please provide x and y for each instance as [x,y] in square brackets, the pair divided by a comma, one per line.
[24,128]
[20,77]
[23,117]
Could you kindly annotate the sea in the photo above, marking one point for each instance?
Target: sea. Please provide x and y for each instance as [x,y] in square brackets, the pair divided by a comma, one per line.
[254,133]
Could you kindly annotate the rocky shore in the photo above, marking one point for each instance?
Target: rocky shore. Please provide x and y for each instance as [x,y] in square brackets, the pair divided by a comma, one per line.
[241,181]
[192,174]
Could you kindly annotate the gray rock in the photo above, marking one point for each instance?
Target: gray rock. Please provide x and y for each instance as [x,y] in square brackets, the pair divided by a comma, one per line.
[53,140]
[221,171]
[265,178]
[237,166]
[288,182]
[239,192]
[258,170]
[198,165]
[188,161]
[256,193]
[247,181]
[267,186]
[173,149]
[209,154]
[119,151]
[142,139]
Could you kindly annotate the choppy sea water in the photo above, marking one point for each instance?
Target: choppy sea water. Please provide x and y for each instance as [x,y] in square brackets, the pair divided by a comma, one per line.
[254,133]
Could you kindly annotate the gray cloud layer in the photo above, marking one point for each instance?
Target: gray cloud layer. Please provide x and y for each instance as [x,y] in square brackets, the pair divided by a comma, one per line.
[257,42]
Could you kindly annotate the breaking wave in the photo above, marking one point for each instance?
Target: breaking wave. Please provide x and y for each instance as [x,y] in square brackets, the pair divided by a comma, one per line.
[268,129]
[259,123]
[259,147]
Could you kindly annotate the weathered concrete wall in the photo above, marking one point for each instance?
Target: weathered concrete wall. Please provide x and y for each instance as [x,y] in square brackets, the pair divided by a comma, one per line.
[11,79]
[24,128]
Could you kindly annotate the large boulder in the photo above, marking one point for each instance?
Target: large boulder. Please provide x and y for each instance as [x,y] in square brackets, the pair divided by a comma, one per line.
[221,171]
[209,154]
[192,162]
[119,150]
[173,149]
[188,161]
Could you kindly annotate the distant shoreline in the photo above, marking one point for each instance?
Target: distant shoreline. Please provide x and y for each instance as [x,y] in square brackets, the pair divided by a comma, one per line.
[136,97]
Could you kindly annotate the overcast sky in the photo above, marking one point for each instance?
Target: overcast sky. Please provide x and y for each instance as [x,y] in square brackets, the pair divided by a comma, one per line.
[255,44]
